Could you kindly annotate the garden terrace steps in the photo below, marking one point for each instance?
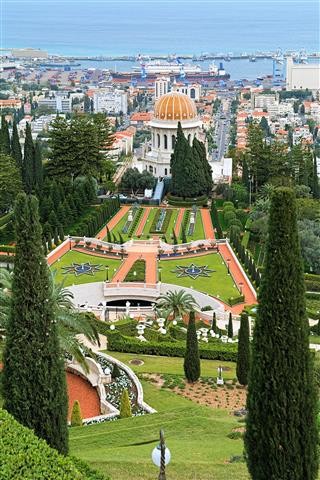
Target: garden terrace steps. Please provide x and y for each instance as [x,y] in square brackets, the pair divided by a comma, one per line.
[143,221]
[179,222]
[113,222]
[207,223]
[238,277]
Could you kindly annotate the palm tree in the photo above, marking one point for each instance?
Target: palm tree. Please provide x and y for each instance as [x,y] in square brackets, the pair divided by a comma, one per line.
[177,303]
[70,323]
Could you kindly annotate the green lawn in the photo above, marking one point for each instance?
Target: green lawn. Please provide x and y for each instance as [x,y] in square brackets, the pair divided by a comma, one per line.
[78,257]
[173,365]
[118,229]
[196,436]
[147,225]
[198,233]
[219,284]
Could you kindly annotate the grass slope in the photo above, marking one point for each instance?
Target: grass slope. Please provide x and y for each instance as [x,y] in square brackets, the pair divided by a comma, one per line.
[196,436]
[173,365]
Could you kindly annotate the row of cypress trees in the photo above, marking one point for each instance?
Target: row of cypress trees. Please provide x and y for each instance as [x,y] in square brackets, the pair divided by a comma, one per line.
[190,171]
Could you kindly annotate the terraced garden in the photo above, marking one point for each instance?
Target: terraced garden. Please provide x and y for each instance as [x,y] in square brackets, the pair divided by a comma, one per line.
[156,222]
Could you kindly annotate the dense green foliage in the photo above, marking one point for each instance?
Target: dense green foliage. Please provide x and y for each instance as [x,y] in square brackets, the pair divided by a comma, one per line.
[10,182]
[243,360]
[230,326]
[77,145]
[23,456]
[191,362]
[125,405]
[134,181]
[281,434]
[34,383]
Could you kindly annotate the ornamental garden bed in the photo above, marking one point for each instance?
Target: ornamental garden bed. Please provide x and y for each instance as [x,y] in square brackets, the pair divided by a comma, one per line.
[137,272]
[214,279]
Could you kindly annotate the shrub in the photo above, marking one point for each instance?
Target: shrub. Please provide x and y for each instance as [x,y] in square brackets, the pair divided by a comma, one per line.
[25,456]
[76,417]
[7,248]
[311,285]
[116,371]
[125,405]
[235,300]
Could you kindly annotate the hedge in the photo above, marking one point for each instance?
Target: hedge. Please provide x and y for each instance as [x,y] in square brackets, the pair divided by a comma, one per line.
[135,222]
[312,276]
[188,202]
[313,295]
[212,351]
[23,456]
[235,300]
[6,258]
[311,285]
[7,248]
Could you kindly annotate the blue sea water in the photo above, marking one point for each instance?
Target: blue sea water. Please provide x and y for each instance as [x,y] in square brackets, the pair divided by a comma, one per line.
[129,27]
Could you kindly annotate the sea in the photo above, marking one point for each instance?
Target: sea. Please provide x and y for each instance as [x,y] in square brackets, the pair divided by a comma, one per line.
[130,27]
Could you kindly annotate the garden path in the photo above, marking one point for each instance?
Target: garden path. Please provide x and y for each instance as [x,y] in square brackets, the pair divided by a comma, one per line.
[143,220]
[113,222]
[179,221]
[238,276]
[207,224]
[151,266]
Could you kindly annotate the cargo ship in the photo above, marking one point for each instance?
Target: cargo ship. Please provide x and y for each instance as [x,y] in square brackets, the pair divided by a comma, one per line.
[150,71]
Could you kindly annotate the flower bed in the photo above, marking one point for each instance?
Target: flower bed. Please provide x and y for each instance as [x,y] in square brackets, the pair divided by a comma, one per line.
[161,221]
[139,267]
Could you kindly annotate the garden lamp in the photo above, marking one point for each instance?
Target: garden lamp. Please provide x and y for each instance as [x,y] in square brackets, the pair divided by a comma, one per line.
[161,456]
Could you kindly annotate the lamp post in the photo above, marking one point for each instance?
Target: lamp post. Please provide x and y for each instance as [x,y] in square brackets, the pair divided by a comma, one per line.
[240,287]
[135,275]
[161,456]
[159,270]
[107,273]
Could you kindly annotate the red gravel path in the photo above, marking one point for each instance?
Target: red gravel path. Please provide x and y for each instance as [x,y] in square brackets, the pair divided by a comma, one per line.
[81,390]
[143,221]
[207,223]
[179,221]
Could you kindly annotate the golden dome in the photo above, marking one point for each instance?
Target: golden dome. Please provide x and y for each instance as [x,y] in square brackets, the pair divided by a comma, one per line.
[175,106]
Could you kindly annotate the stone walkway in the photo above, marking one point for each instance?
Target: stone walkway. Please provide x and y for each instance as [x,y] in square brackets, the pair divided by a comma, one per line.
[143,221]
[179,222]
[207,223]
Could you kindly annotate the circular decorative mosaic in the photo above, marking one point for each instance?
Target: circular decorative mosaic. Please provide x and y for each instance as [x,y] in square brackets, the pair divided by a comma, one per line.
[193,271]
[78,269]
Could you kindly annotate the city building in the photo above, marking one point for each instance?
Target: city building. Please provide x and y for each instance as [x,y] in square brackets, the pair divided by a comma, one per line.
[10,103]
[222,171]
[302,76]
[161,87]
[170,109]
[193,91]
[59,104]
[140,119]
[110,100]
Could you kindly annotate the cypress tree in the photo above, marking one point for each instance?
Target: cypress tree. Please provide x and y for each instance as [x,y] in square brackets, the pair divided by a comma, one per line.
[37,168]
[183,234]
[315,179]
[230,326]
[61,232]
[125,405]
[56,236]
[15,146]
[53,221]
[214,322]
[4,137]
[28,161]
[76,416]
[243,359]
[34,382]
[281,434]
[191,363]
[109,238]
[174,237]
